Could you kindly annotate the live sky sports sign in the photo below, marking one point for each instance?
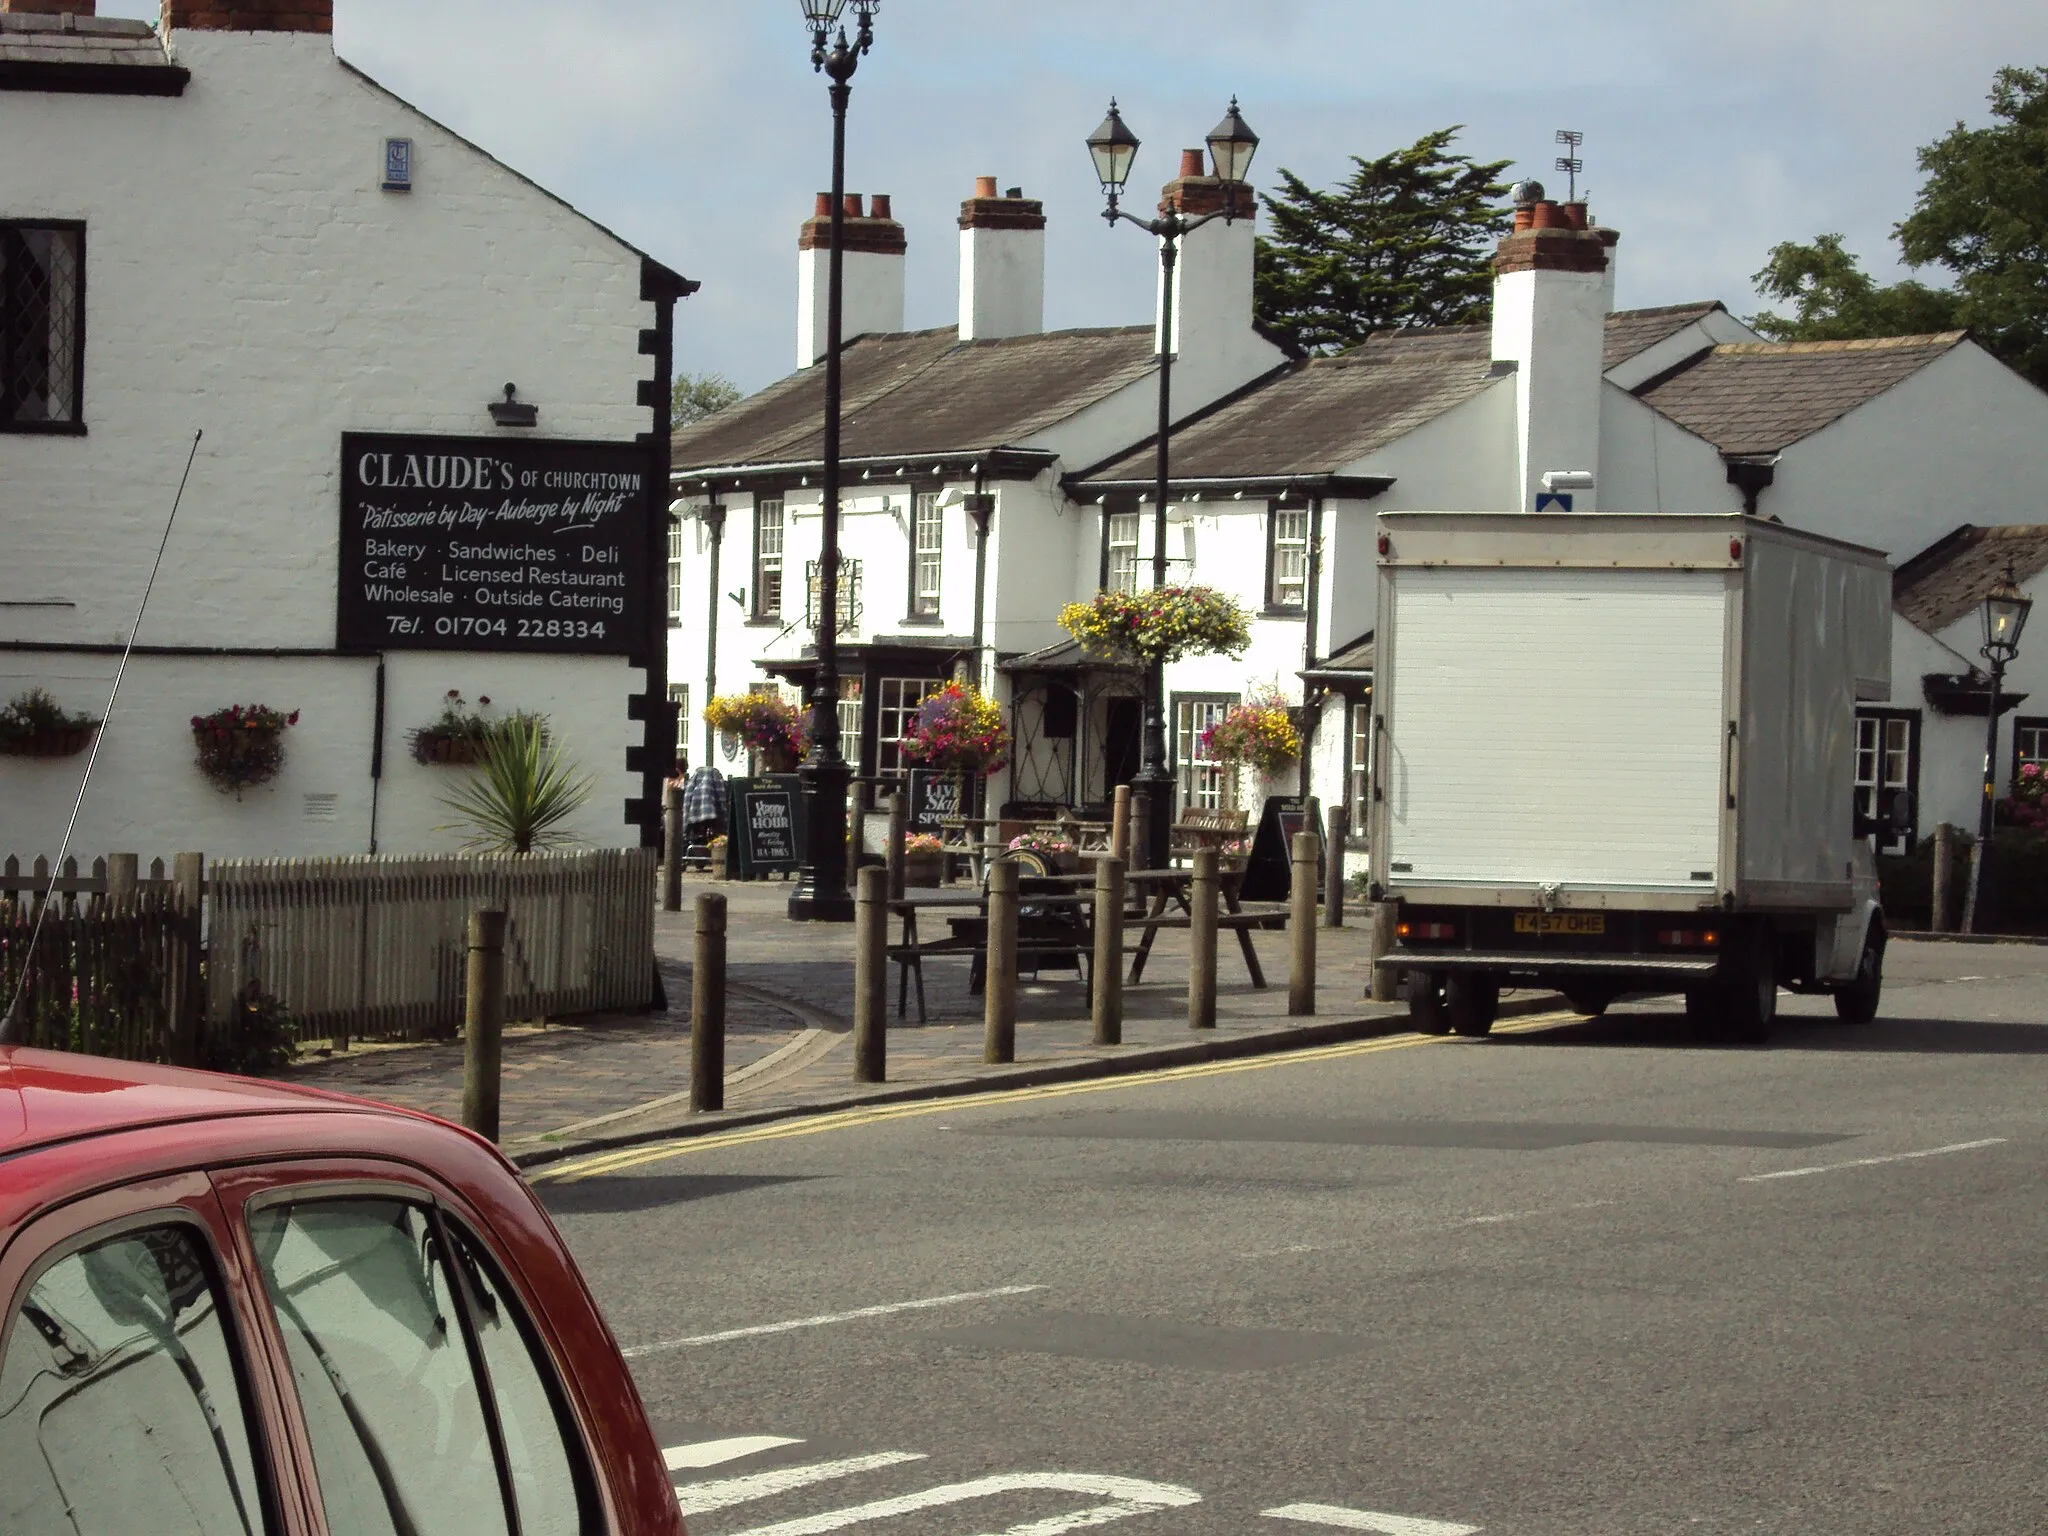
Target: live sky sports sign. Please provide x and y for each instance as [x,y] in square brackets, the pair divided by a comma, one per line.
[487,544]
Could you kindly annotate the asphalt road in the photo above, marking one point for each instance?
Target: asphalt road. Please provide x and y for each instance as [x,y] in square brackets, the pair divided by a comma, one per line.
[1577,1278]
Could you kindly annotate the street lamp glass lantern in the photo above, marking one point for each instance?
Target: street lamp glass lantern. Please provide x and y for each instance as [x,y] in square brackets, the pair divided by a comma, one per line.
[2005,615]
[1114,148]
[822,13]
[1232,145]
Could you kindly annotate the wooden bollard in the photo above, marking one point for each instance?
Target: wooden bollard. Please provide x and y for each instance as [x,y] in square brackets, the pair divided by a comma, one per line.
[1333,871]
[1386,979]
[1120,825]
[1106,1000]
[707,1006]
[1301,925]
[898,812]
[1202,898]
[1943,916]
[483,1022]
[999,994]
[672,848]
[871,976]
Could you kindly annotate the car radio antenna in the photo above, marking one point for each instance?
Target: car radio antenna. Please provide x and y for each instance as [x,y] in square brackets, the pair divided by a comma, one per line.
[14,1024]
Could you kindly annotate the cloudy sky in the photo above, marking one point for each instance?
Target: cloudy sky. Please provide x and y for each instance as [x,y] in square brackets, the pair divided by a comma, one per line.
[695,128]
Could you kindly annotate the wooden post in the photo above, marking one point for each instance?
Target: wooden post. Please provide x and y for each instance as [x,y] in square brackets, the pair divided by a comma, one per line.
[871,976]
[1333,872]
[1106,1000]
[1386,979]
[1202,941]
[1942,919]
[123,872]
[672,845]
[999,997]
[898,810]
[857,832]
[707,1006]
[484,1022]
[188,885]
[1120,825]
[1301,926]
[1139,827]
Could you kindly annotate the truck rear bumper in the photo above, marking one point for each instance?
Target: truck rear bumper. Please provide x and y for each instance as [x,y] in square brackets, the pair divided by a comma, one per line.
[1671,970]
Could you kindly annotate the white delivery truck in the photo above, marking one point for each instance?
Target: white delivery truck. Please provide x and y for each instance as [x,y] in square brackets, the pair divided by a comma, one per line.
[1614,753]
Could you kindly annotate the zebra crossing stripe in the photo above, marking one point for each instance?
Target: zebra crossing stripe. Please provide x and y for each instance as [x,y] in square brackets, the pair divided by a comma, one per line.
[701,1498]
[716,1453]
[1365,1520]
[1128,1496]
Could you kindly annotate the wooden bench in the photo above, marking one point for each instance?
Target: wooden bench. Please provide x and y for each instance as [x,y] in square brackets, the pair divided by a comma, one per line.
[1221,829]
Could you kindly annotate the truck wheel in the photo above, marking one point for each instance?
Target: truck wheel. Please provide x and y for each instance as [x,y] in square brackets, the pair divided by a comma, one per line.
[1856,1001]
[1471,1002]
[1747,1001]
[1587,999]
[1426,1003]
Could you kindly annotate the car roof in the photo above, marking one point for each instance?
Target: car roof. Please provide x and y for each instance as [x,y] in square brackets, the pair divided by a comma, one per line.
[51,1096]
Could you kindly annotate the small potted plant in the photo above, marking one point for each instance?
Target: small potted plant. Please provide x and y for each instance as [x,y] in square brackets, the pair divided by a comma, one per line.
[35,725]
[764,722]
[459,736]
[2027,805]
[924,859]
[242,745]
[1057,854]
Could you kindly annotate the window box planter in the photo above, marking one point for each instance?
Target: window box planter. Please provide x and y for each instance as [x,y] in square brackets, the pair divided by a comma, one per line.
[65,741]
[35,725]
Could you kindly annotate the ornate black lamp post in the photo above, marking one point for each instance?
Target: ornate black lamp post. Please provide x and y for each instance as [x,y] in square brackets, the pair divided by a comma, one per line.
[2005,615]
[1114,149]
[820,893]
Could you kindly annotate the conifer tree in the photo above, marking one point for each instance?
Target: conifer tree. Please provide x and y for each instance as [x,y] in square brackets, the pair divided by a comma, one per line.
[1403,240]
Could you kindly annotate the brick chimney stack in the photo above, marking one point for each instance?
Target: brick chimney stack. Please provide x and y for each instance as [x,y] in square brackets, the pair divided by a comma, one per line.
[1551,295]
[1002,263]
[247,15]
[873,296]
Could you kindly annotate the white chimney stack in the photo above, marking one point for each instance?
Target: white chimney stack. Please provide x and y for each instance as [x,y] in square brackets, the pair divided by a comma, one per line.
[1551,295]
[1002,263]
[872,300]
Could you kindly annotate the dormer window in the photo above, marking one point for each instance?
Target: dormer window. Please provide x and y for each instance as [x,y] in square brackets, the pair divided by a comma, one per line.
[42,325]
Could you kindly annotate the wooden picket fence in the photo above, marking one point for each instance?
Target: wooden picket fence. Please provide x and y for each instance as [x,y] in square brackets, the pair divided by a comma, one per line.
[375,948]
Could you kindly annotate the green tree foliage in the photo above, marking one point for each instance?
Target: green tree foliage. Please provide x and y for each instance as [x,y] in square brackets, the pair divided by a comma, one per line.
[1403,240]
[693,396]
[1982,213]
[1834,299]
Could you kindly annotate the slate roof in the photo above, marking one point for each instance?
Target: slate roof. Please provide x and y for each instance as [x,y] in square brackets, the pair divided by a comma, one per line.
[40,52]
[923,392]
[1761,397]
[1948,579]
[1630,331]
[1357,656]
[1320,415]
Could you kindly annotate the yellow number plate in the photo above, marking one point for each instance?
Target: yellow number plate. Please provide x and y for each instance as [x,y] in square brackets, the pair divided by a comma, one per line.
[1579,924]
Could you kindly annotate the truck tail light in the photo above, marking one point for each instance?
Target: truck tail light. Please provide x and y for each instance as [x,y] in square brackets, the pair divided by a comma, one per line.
[1428,932]
[1688,938]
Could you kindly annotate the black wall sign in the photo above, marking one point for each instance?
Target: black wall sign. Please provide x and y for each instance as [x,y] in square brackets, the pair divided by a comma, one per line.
[492,544]
[934,795]
[1269,873]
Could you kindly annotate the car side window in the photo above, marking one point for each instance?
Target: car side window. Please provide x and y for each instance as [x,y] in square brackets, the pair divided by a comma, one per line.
[428,1403]
[121,1408]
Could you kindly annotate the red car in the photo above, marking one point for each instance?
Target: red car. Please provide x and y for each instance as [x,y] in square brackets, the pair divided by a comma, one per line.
[236,1307]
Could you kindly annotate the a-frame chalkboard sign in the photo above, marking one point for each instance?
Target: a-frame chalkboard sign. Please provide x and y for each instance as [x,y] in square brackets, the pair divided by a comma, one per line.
[767,825]
[1268,875]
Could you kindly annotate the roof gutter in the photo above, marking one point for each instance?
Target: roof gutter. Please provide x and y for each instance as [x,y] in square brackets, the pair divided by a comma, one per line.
[982,463]
[1237,487]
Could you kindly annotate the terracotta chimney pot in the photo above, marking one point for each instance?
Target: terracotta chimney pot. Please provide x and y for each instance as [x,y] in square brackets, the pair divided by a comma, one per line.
[853,205]
[824,206]
[879,205]
[1193,163]
[984,186]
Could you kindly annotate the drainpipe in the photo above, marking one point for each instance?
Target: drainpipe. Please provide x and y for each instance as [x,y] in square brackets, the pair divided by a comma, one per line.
[981,509]
[1308,644]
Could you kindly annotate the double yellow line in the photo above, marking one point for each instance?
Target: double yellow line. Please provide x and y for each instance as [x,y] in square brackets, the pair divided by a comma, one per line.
[814,1125]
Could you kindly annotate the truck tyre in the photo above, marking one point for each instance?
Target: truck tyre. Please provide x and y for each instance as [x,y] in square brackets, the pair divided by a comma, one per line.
[1471,1002]
[1587,999]
[1856,1001]
[1747,1000]
[1426,1003]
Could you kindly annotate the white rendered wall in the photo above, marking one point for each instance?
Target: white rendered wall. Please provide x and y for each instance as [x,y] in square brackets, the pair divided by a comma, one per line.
[1215,347]
[1553,325]
[871,299]
[246,275]
[1002,283]
[1648,463]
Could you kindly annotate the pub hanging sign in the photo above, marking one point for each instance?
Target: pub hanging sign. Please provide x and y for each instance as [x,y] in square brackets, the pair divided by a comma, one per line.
[486,544]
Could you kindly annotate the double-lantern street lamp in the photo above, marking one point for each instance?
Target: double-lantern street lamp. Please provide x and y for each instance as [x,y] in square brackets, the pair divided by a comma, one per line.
[2004,613]
[1114,149]
[821,893]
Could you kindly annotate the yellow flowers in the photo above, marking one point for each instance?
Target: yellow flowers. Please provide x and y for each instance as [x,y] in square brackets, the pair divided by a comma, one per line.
[1163,624]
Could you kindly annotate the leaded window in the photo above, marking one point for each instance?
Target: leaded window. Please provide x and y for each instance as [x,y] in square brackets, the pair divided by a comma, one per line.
[42,326]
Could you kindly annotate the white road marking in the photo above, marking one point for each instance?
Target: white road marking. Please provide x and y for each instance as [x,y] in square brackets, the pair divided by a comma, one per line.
[1364,1520]
[1130,1496]
[760,1330]
[699,1498]
[1872,1162]
[716,1453]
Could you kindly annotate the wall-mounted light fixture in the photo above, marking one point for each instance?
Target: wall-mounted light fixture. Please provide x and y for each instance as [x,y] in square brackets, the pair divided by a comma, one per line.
[514,412]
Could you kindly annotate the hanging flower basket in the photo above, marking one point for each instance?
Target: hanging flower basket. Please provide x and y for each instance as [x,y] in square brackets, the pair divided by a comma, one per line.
[958,729]
[1164,624]
[458,738]
[763,721]
[1259,733]
[241,746]
[35,725]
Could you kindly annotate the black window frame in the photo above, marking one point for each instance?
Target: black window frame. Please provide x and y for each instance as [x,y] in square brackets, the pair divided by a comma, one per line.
[1906,841]
[757,611]
[1175,764]
[75,426]
[2023,723]
[1114,507]
[1274,608]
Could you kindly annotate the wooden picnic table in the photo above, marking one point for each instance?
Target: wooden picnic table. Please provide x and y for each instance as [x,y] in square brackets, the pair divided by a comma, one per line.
[969,935]
[1176,886]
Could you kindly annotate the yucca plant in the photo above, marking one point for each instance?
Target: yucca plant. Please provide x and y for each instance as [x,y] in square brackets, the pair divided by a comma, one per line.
[522,792]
